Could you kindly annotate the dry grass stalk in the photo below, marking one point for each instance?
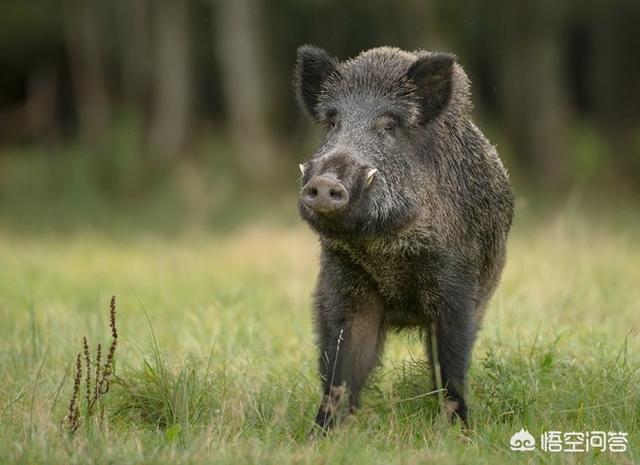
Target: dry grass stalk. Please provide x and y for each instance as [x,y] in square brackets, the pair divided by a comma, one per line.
[87,362]
[73,416]
[97,378]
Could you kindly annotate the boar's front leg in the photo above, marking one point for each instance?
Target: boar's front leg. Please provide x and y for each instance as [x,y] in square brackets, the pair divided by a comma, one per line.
[349,323]
[451,340]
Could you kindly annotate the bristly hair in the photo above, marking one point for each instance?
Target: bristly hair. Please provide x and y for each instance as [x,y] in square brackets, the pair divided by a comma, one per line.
[382,74]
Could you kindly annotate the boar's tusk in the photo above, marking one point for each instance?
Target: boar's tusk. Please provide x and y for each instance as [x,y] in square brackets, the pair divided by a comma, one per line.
[302,168]
[370,174]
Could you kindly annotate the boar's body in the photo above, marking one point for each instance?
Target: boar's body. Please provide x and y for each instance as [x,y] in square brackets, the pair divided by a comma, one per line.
[412,207]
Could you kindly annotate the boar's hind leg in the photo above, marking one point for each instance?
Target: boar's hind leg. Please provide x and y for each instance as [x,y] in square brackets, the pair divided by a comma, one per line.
[454,330]
[349,350]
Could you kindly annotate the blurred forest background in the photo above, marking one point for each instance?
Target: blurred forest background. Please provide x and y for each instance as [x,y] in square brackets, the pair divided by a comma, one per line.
[174,111]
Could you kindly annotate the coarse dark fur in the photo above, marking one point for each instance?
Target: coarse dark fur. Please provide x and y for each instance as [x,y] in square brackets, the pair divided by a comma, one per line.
[422,243]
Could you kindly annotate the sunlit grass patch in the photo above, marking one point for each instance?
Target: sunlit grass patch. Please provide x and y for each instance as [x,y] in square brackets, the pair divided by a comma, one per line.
[216,360]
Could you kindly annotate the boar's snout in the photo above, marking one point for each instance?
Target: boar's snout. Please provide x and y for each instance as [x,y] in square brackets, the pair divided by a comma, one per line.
[325,194]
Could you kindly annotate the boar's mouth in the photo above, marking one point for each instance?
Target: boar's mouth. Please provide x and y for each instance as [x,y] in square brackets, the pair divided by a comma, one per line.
[364,217]
[329,195]
[353,202]
[358,223]
[354,227]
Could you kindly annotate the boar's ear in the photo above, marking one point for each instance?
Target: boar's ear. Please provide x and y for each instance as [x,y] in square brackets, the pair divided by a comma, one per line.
[432,75]
[313,66]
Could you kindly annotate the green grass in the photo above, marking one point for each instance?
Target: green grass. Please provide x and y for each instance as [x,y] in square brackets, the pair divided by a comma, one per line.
[216,362]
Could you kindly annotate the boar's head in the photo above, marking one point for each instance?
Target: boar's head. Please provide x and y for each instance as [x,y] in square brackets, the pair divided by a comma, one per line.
[366,177]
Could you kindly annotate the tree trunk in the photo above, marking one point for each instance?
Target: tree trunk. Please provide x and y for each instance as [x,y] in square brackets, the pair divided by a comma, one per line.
[87,69]
[614,87]
[133,21]
[534,104]
[171,106]
[41,105]
[240,47]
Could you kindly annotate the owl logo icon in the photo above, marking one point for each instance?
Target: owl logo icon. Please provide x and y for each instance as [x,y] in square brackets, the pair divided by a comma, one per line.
[522,441]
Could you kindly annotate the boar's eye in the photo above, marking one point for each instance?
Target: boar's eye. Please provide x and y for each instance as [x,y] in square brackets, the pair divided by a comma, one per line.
[387,125]
[330,119]
[388,122]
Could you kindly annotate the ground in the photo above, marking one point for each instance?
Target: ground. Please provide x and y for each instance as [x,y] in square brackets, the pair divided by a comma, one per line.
[216,364]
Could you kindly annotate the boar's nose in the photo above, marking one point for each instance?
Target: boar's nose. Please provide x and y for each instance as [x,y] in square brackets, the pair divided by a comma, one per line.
[325,194]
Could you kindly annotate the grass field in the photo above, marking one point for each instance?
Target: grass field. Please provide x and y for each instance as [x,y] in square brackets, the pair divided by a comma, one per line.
[216,362]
